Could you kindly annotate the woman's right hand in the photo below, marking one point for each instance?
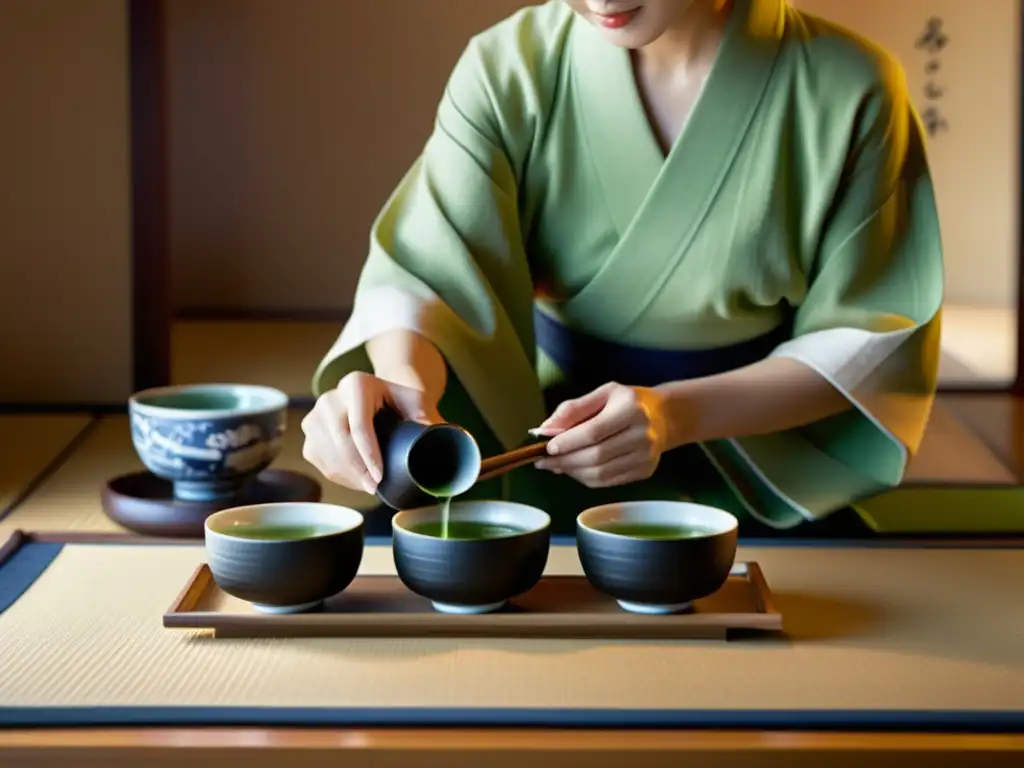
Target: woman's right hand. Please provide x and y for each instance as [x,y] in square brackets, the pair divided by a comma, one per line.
[340,438]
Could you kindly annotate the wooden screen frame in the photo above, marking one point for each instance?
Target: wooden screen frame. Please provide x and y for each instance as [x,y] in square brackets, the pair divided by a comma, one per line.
[150,257]
[1018,384]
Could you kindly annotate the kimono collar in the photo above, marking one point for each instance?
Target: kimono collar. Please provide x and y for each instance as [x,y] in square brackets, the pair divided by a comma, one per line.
[655,201]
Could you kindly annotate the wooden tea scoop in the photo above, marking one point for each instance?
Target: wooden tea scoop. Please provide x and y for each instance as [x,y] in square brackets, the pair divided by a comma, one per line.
[506,462]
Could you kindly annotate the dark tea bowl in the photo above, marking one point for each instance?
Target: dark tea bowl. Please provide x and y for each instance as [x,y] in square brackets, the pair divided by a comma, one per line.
[656,557]
[208,440]
[495,551]
[286,557]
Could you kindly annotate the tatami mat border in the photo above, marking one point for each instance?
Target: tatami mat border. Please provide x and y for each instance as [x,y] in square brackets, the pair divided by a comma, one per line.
[938,721]
[22,562]
[51,467]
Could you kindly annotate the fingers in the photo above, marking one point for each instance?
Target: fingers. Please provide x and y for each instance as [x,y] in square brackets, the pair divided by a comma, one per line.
[630,440]
[341,441]
[334,455]
[612,446]
[343,454]
[572,412]
[624,469]
[362,407]
[613,419]
[625,457]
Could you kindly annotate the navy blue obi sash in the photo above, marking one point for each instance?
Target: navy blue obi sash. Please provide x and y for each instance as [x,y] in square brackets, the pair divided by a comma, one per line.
[588,362]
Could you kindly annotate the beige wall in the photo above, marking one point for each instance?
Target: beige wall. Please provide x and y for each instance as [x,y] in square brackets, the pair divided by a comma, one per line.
[64,201]
[291,123]
[975,162]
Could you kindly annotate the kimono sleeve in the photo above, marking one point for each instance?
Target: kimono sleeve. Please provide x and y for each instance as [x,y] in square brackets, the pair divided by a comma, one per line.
[446,258]
[869,324]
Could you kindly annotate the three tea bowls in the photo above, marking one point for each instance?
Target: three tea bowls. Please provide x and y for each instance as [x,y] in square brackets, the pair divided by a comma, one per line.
[208,440]
[285,557]
[656,557]
[489,553]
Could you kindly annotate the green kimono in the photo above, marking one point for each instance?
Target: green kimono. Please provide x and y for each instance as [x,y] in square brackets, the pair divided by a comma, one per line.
[796,203]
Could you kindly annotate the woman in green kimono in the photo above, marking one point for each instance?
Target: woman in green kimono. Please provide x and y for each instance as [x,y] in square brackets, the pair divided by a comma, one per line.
[695,241]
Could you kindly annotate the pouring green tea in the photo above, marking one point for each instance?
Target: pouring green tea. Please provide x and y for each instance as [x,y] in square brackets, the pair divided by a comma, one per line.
[433,473]
[437,472]
[438,462]
[437,466]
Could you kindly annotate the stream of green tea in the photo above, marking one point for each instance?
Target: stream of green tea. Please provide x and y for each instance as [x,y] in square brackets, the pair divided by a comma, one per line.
[446,528]
[441,528]
[436,477]
[433,469]
[444,503]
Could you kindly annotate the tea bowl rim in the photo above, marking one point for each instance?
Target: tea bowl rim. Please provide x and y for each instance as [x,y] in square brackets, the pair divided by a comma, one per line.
[397,521]
[357,521]
[729,523]
[277,400]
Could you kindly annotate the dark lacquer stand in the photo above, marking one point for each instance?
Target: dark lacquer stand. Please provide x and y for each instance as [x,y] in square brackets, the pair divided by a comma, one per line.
[145,504]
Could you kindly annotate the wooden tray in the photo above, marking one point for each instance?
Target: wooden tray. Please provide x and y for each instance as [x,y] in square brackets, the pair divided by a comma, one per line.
[558,607]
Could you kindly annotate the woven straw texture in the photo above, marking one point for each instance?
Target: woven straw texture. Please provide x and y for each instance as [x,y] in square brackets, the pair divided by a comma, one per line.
[867,629]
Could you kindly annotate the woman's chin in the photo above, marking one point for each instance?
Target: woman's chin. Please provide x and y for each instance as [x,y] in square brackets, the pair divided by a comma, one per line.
[628,37]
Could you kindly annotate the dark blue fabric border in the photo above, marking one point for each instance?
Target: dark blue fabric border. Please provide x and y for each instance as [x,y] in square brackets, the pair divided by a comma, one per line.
[21,569]
[405,717]
[951,542]
[921,542]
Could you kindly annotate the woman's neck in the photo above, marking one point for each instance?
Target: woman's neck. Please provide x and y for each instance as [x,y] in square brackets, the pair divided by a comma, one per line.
[690,41]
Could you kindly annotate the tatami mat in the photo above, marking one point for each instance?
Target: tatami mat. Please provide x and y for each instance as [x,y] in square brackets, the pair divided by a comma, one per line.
[70,499]
[868,629]
[29,444]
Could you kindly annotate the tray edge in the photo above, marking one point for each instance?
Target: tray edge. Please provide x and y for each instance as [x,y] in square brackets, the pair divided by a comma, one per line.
[759,584]
[181,614]
[188,598]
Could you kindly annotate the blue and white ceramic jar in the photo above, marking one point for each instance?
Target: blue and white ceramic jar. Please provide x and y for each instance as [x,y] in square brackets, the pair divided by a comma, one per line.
[208,440]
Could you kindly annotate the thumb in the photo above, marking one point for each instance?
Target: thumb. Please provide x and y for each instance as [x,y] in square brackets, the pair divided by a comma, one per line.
[413,405]
[430,415]
[573,412]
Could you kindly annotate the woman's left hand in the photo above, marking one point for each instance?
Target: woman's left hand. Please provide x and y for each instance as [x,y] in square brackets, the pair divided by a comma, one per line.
[612,436]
